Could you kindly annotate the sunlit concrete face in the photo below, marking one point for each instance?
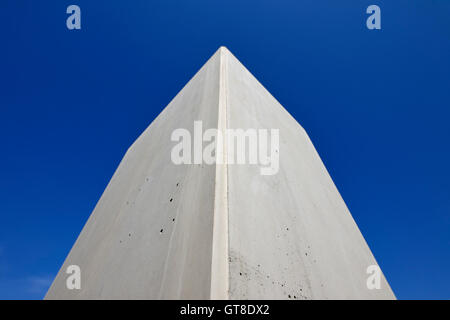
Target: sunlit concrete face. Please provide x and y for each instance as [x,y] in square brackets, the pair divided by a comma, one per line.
[291,235]
[221,231]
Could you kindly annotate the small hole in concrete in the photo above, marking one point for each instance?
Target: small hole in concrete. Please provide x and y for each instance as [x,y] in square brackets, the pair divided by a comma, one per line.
[289,296]
[161,231]
[178,184]
[240,273]
[129,234]
[171,199]
[173,219]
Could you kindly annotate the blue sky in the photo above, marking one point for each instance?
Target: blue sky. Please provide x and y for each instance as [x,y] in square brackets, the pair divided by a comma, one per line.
[376,104]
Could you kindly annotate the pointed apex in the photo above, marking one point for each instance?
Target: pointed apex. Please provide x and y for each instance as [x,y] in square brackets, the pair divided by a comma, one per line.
[223,49]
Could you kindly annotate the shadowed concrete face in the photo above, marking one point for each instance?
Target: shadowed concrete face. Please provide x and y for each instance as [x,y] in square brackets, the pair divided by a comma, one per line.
[221,231]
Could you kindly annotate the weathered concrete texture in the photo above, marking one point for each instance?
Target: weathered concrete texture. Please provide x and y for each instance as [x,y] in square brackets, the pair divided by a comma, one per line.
[162,230]
[291,235]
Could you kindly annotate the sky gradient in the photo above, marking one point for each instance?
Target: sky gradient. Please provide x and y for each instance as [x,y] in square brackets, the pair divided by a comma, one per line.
[376,105]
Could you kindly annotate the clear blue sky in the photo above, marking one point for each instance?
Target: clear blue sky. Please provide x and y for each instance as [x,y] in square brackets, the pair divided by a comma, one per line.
[376,104]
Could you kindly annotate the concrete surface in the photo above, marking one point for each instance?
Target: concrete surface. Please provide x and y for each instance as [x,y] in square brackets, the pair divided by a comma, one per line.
[166,231]
[291,235]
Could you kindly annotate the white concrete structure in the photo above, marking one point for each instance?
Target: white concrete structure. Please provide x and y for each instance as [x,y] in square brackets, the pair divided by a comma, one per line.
[166,231]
